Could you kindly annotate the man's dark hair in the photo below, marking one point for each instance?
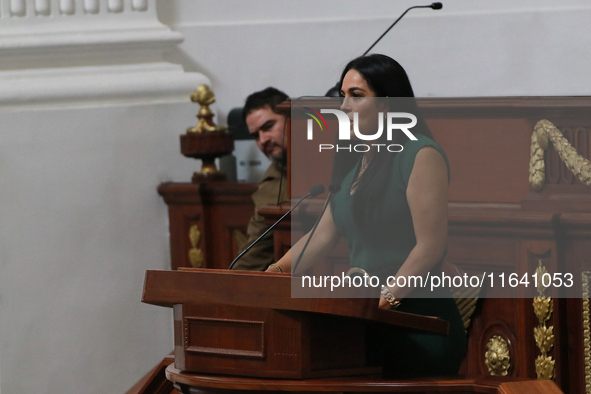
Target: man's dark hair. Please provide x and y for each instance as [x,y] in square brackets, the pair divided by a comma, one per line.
[270,97]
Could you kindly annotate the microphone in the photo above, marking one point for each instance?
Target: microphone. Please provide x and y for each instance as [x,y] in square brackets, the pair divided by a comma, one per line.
[332,190]
[435,6]
[334,91]
[313,192]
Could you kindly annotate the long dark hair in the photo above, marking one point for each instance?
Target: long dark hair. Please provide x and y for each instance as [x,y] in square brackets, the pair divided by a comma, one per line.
[386,77]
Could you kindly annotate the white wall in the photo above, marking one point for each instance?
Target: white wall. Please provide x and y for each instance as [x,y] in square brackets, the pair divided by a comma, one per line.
[80,219]
[81,222]
[469,48]
[90,118]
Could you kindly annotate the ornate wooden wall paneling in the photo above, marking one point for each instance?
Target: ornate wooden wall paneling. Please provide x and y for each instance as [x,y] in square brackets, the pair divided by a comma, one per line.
[576,313]
[217,208]
[495,222]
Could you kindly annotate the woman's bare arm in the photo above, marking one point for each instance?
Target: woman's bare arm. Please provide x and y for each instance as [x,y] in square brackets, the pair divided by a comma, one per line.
[427,198]
[324,240]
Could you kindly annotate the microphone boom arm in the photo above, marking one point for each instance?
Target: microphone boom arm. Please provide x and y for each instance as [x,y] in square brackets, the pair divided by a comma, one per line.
[435,6]
[314,191]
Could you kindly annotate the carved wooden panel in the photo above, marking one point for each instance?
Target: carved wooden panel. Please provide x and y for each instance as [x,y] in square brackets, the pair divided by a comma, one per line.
[286,340]
[497,225]
[210,336]
[250,341]
[586,276]
[219,210]
[182,220]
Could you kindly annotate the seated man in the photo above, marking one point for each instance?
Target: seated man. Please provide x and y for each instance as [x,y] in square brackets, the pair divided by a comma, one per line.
[266,124]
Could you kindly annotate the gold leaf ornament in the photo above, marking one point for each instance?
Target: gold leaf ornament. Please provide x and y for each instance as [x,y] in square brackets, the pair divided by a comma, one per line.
[540,272]
[544,337]
[195,253]
[545,132]
[545,368]
[543,308]
[497,357]
[194,235]
[196,258]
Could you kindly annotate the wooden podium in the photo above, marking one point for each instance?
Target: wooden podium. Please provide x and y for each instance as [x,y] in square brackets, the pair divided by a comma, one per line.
[237,331]
[247,324]
[495,223]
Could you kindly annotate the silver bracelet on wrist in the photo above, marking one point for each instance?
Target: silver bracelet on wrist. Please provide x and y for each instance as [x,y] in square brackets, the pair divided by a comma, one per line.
[388,296]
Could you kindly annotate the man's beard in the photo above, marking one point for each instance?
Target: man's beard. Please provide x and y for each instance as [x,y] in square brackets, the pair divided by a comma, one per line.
[271,147]
[280,161]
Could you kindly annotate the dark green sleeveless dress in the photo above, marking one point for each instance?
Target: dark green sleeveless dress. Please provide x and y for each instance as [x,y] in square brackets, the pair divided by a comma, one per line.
[381,251]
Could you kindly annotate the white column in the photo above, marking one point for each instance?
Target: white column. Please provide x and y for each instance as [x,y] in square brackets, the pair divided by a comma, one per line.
[91,6]
[42,7]
[139,5]
[66,41]
[18,8]
[37,8]
[67,7]
[115,5]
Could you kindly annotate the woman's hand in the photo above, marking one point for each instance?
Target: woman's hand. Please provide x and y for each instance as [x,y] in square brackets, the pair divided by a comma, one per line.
[384,304]
[323,241]
[281,266]
[387,299]
[275,267]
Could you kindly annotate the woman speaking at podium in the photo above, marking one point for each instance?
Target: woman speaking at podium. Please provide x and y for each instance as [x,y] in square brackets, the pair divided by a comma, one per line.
[392,209]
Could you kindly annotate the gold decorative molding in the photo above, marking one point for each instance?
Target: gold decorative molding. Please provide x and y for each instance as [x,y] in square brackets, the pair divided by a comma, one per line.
[497,356]
[466,306]
[543,335]
[543,308]
[545,367]
[204,96]
[466,299]
[587,330]
[195,253]
[545,131]
[206,141]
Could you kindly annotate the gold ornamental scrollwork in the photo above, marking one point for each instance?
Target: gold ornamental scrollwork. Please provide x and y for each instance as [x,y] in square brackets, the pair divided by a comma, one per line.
[497,356]
[545,131]
[543,335]
[195,253]
[587,330]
